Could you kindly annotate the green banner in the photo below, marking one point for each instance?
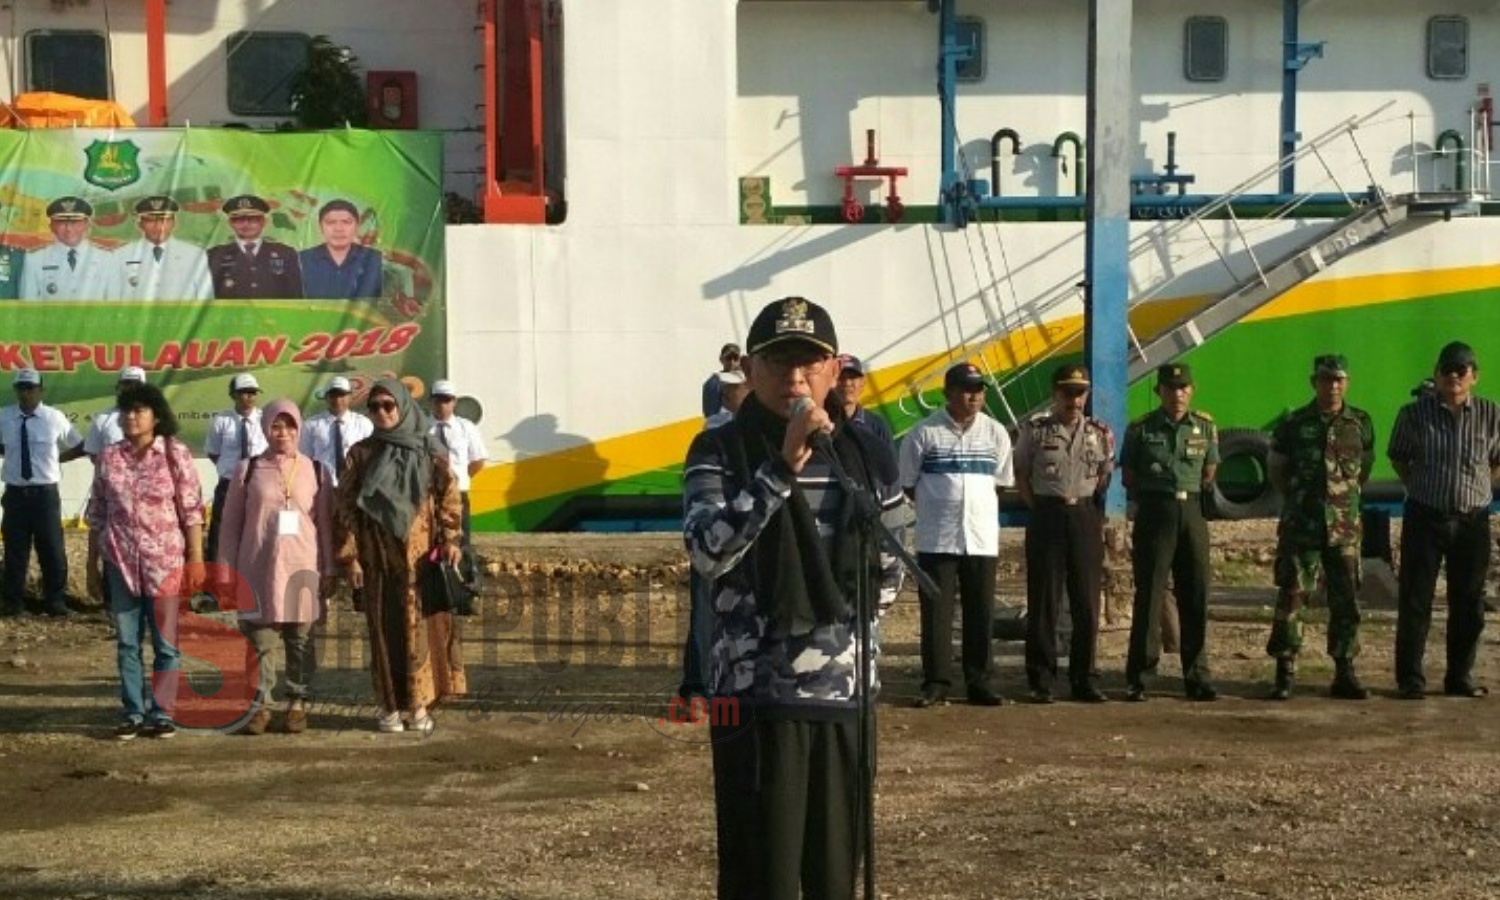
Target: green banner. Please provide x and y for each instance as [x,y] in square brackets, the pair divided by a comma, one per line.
[197,254]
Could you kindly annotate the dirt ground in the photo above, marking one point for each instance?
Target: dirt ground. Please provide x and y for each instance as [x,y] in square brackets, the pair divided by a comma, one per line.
[558,779]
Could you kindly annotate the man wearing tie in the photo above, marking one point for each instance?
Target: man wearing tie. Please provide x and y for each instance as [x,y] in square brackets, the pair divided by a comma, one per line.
[159,266]
[327,436]
[250,267]
[233,435]
[72,267]
[466,455]
[104,427]
[36,440]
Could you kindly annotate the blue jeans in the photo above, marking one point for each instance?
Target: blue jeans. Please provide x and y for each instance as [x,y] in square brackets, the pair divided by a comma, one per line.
[133,617]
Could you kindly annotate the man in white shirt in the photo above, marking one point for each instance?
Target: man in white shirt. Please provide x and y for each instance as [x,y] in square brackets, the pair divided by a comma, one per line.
[327,436]
[466,454]
[72,267]
[233,435]
[104,427]
[36,440]
[733,388]
[953,465]
[158,266]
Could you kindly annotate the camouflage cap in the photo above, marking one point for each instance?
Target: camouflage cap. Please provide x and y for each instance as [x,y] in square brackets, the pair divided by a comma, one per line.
[1334,364]
[1175,375]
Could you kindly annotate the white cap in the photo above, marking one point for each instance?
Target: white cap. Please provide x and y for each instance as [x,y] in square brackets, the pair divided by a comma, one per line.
[243,382]
[338,384]
[132,373]
[444,388]
[28,376]
[734,376]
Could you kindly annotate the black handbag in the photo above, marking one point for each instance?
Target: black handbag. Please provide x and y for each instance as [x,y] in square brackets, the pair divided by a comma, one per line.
[442,588]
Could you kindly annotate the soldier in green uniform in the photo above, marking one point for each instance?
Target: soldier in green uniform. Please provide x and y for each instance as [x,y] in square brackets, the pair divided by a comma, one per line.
[1321,455]
[1168,460]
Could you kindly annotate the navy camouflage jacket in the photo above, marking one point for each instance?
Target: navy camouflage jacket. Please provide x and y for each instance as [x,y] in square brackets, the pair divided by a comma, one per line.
[806,676]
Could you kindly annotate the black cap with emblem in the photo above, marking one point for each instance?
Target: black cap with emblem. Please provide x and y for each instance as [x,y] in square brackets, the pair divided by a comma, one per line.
[1070,376]
[1174,375]
[158,206]
[792,319]
[70,208]
[245,205]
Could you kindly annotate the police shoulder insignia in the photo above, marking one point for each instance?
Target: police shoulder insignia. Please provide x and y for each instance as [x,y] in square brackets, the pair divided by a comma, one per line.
[1198,413]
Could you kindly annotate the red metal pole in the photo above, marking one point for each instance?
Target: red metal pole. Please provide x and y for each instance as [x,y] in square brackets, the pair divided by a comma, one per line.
[156,62]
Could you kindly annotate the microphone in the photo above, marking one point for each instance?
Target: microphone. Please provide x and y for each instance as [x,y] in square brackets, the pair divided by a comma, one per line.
[818,440]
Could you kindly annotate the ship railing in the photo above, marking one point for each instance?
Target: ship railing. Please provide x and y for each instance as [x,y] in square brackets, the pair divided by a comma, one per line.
[1023,389]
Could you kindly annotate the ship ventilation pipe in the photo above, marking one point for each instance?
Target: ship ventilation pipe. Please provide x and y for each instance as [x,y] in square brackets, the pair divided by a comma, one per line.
[1000,137]
[1460,163]
[1068,137]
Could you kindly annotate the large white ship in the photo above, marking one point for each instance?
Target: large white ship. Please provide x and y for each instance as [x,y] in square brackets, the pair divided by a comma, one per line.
[1307,177]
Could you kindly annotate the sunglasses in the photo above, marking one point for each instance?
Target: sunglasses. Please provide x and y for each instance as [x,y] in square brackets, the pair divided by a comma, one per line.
[1456,371]
[381,406]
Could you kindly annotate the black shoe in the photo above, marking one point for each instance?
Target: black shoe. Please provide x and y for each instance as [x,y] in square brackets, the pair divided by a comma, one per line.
[1348,689]
[129,731]
[1201,692]
[932,695]
[1087,693]
[983,696]
[1411,692]
[1040,696]
[1136,693]
[1465,689]
[12,612]
[59,612]
[161,729]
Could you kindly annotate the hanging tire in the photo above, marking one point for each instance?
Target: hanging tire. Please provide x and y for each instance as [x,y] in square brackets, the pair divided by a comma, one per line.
[1242,489]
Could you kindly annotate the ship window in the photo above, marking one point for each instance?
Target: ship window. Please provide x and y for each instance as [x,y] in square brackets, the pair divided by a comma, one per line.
[1447,47]
[68,62]
[261,66]
[969,32]
[1205,51]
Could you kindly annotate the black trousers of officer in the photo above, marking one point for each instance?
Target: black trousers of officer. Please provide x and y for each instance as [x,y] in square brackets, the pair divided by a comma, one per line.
[1064,556]
[211,543]
[973,577]
[1428,537]
[786,794]
[468,568]
[1170,537]
[33,518]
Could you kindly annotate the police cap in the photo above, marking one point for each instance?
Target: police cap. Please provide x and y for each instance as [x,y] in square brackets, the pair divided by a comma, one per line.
[245,205]
[1174,375]
[156,206]
[66,208]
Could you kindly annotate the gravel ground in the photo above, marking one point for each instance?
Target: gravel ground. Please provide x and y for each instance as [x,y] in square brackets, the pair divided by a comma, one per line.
[558,777]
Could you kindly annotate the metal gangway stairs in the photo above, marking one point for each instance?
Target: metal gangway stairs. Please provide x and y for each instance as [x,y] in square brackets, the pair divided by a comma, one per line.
[1255,281]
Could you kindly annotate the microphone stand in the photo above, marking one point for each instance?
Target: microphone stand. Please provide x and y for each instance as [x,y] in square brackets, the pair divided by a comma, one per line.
[867,516]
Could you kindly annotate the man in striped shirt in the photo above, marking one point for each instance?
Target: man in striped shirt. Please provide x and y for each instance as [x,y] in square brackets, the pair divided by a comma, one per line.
[954,465]
[1446,450]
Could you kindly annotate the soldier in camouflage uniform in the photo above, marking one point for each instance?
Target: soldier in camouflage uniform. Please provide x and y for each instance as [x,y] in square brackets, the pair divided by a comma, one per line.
[1321,455]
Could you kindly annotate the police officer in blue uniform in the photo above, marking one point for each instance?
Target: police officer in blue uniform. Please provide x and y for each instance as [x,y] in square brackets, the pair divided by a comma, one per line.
[251,267]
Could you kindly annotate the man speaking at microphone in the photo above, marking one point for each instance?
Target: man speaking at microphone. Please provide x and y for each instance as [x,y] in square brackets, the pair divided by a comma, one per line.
[767,520]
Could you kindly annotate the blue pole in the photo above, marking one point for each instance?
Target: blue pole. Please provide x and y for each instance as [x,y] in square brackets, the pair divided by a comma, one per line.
[1291,63]
[1111,142]
[948,51]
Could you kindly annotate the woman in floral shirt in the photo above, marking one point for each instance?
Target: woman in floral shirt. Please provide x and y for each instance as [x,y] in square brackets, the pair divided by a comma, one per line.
[145,522]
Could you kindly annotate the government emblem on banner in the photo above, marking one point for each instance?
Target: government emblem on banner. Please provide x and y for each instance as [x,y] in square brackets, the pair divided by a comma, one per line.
[112,164]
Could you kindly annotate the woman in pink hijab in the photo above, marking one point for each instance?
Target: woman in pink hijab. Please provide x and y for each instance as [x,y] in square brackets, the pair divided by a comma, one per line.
[277,536]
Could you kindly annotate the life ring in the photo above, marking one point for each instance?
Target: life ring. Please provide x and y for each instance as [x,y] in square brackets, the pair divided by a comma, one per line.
[1242,488]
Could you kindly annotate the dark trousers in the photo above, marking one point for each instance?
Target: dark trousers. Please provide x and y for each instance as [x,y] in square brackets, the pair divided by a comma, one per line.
[211,544]
[786,793]
[1170,537]
[33,518]
[697,661]
[973,578]
[1428,537]
[1064,558]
